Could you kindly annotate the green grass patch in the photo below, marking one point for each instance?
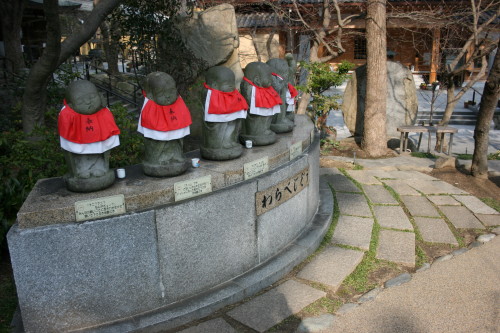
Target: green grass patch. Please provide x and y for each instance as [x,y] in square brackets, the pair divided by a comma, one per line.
[495,204]
[8,302]
[492,156]
[422,154]
[322,305]
[464,156]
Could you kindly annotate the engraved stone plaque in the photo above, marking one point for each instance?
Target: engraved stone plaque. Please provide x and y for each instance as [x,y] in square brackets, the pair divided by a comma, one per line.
[295,150]
[276,195]
[256,168]
[100,207]
[192,187]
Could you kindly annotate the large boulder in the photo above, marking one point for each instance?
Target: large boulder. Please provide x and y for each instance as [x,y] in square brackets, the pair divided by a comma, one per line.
[402,104]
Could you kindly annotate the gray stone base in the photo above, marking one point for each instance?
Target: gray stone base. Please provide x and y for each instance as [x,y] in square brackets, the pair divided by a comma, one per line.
[90,184]
[221,154]
[171,169]
[284,126]
[268,138]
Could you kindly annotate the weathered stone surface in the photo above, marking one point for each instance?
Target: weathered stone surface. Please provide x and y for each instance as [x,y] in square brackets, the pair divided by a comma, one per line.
[476,205]
[353,231]
[319,324]
[496,231]
[353,204]
[424,267]
[459,251]
[401,187]
[397,246]
[398,280]
[269,309]
[348,307]
[369,296]
[443,200]
[425,186]
[435,230]
[342,183]
[392,217]
[443,258]
[489,220]
[331,266]
[363,177]
[411,175]
[461,217]
[486,238]
[402,101]
[379,195]
[419,206]
[447,188]
[58,292]
[212,326]
[445,162]
[202,257]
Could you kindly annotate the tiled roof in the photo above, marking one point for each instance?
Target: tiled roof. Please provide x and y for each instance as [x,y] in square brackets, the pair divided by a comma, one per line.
[259,20]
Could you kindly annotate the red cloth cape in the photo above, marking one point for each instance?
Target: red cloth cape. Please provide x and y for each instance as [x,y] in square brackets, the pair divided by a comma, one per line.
[265,97]
[293,91]
[225,102]
[165,117]
[82,128]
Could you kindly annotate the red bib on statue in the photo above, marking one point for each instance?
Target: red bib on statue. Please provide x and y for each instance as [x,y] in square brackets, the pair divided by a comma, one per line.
[226,102]
[265,97]
[292,90]
[82,128]
[165,118]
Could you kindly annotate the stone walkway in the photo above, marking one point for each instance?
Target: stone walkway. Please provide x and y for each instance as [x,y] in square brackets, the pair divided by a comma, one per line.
[380,212]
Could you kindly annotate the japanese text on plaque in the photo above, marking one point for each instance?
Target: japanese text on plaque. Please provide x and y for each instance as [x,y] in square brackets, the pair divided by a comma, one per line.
[256,168]
[192,188]
[100,207]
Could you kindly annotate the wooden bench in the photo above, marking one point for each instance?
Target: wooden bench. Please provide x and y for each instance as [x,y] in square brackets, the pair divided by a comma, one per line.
[440,130]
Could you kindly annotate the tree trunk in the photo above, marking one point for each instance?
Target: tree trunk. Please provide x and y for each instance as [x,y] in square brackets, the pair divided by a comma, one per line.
[110,47]
[306,97]
[374,141]
[489,102]
[11,18]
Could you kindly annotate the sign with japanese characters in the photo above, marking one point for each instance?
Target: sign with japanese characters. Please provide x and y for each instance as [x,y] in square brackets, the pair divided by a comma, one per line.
[295,150]
[281,192]
[192,188]
[256,168]
[98,208]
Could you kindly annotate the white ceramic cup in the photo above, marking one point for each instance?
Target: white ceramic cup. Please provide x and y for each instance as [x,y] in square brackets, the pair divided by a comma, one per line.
[195,162]
[248,143]
[120,173]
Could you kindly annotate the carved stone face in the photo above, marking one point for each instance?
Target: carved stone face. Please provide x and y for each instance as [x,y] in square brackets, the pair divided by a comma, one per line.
[260,74]
[161,88]
[83,97]
[280,67]
[220,78]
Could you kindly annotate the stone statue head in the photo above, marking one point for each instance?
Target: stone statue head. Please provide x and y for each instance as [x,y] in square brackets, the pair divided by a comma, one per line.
[280,67]
[259,73]
[220,78]
[83,97]
[160,88]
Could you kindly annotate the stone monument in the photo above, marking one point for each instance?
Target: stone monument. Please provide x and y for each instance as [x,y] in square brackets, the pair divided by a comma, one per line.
[164,121]
[264,103]
[87,132]
[224,110]
[280,123]
[402,104]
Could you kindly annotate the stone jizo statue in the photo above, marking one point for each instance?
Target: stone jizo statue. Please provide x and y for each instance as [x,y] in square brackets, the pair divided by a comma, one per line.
[87,132]
[281,124]
[164,121]
[292,92]
[224,110]
[264,103]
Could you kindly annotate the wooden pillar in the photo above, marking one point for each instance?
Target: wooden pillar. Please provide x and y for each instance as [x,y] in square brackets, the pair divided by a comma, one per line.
[436,36]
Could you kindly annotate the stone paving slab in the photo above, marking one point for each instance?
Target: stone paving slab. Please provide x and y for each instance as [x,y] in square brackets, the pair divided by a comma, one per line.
[379,174]
[272,307]
[475,205]
[401,187]
[448,188]
[363,177]
[329,171]
[426,186]
[435,230]
[419,206]
[410,175]
[392,217]
[489,220]
[397,246]
[353,231]
[342,183]
[353,204]
[331,266]
[218,325]
[461,217]
[379,195]
[443,200]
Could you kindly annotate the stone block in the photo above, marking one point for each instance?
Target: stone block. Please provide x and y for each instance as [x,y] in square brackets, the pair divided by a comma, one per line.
[78,275]
[401,187]
[445,162]
[398,280]
[448,188]
[397,246]
[341,183]
[363,177]
[379,195]
[392,217]
[426,186]
[281,225]
[313,188]
[475,205]
[489,220]
[272,307]
[217,325]
[353,204]
[331,266]
[318,324]
[435,231]
[213,245]
[461,217]
[443,200]
[420,206]
[353,231]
